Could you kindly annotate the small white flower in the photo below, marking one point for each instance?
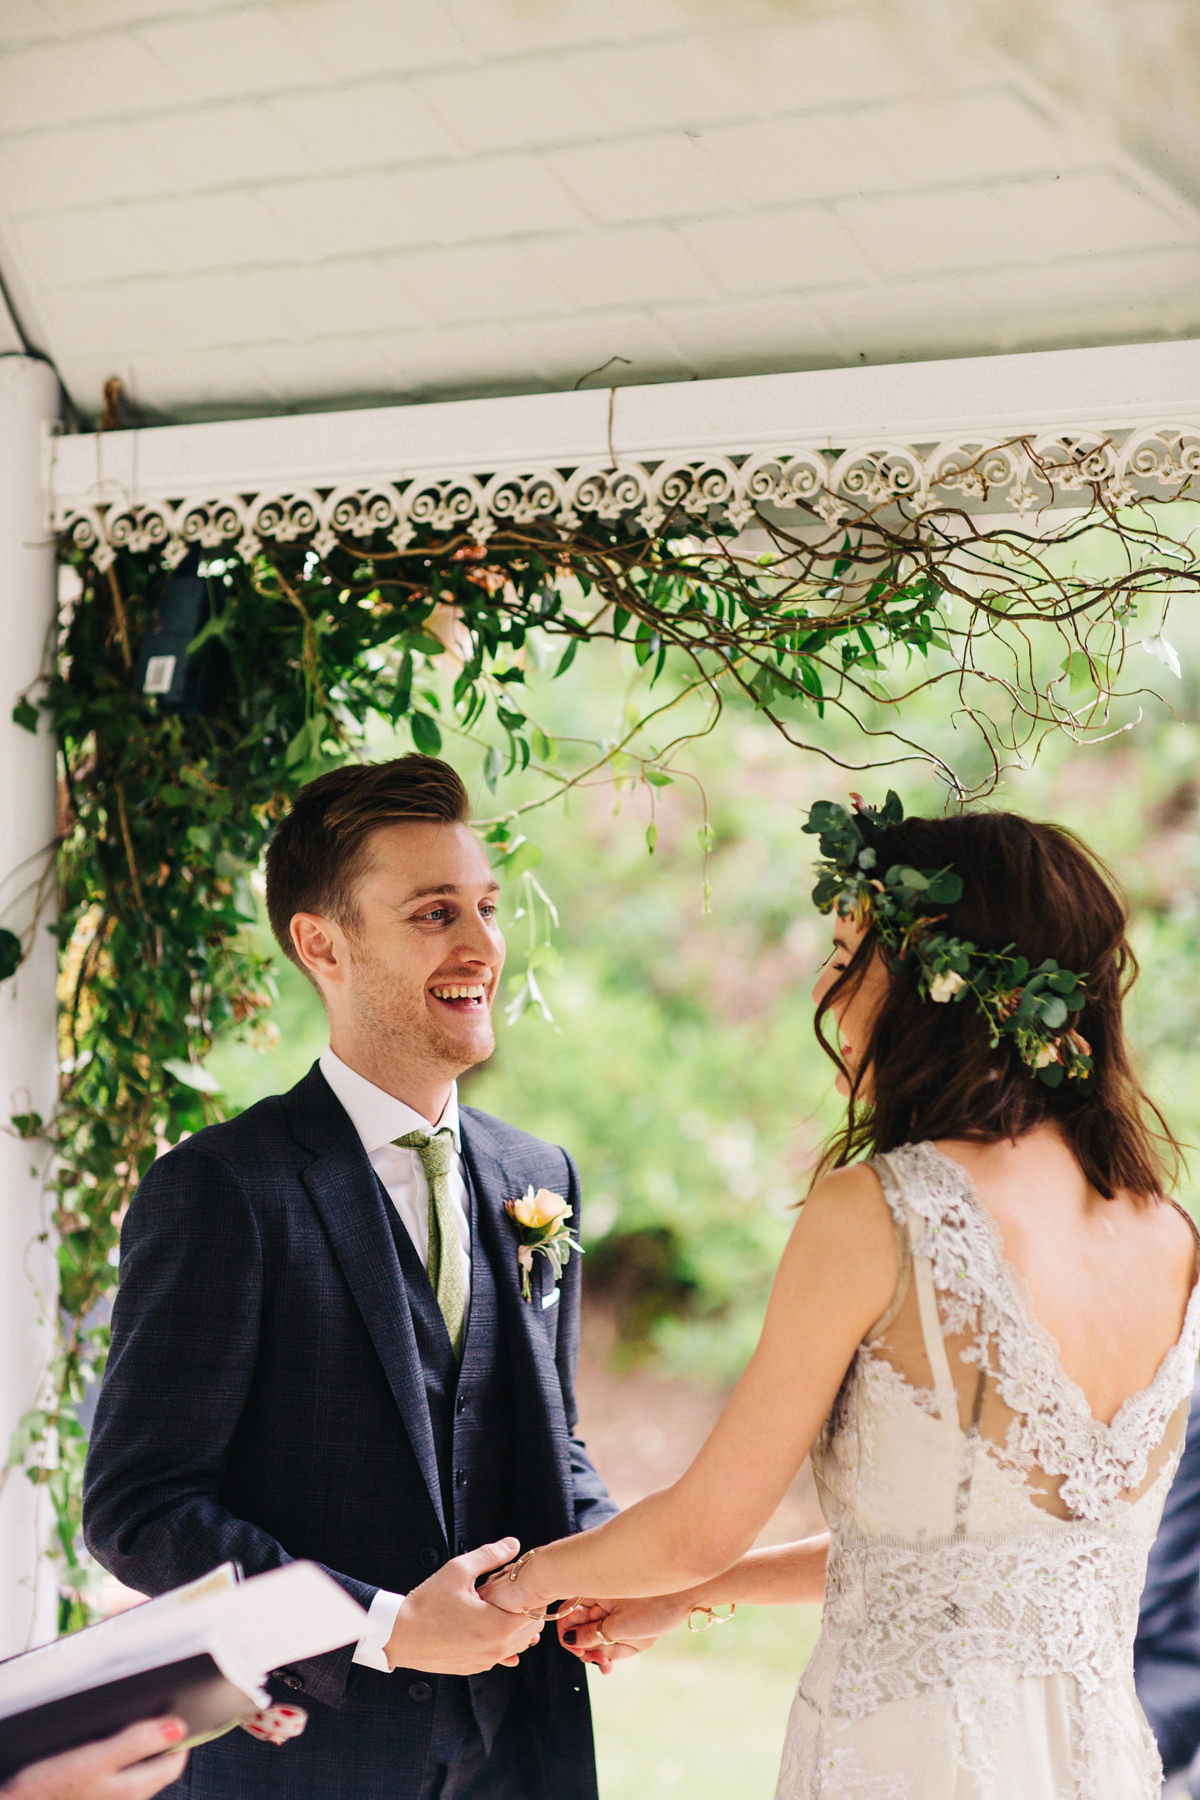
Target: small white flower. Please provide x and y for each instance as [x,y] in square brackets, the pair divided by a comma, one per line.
[943,987]
[1046,1055]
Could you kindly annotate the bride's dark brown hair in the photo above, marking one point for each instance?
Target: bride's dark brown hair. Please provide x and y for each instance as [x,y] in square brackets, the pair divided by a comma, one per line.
[933,1071]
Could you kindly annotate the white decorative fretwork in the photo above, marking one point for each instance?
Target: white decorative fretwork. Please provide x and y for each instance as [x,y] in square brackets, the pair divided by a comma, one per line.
[799,487]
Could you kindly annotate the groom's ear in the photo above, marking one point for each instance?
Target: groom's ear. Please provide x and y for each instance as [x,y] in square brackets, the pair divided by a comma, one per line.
[320,948]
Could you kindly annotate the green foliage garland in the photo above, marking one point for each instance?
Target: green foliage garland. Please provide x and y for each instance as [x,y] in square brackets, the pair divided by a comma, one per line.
[165,813]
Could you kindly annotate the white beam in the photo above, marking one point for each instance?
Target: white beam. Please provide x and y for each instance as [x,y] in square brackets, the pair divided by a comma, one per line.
[28,1285]
[993,397]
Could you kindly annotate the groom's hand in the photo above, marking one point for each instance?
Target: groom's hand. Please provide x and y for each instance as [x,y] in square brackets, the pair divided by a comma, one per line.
[445,1628]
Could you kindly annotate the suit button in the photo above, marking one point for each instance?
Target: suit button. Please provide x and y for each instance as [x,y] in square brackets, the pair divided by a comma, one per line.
[460,1478]
[462,1544]
[460,1405]
[429,1559]
[420,1690]
[293,1681]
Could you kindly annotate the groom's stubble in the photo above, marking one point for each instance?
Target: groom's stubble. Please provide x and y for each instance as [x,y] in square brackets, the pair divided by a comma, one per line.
[401,950]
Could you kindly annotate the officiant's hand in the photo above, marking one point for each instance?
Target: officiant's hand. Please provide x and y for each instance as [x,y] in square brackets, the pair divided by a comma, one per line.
[445,1627]
[103,1771]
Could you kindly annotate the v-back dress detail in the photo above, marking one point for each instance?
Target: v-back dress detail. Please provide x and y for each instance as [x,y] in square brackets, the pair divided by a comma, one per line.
[988,1537]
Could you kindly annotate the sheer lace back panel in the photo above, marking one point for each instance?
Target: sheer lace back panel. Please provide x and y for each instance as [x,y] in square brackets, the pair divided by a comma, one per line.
[963,1337]
[986,1529]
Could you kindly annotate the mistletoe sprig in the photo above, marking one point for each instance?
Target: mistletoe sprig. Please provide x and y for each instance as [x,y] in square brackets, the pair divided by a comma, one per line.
[1032,1006]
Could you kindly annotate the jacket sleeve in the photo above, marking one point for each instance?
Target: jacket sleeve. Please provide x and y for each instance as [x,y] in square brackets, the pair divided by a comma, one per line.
[185,1337]
[592,1501]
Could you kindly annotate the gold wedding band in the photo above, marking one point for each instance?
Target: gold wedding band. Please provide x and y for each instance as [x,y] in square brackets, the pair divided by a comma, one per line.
[615,1643]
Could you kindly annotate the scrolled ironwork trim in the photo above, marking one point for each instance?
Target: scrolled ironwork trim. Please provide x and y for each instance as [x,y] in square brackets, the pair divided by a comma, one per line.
[801,487]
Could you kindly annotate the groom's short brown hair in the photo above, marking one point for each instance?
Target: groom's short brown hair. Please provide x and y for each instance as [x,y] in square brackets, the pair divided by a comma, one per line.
[322,849]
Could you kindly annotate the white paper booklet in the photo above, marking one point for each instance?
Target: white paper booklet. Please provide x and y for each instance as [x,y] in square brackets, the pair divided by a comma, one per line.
[248,1627]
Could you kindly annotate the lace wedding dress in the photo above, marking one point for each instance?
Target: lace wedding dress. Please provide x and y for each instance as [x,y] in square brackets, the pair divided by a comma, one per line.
[988,1538]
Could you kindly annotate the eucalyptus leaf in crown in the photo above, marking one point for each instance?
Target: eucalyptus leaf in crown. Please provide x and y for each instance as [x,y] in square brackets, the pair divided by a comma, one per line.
[1032,1006]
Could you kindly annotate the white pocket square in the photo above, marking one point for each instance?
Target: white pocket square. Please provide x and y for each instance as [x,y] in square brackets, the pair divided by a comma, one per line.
[550,1299]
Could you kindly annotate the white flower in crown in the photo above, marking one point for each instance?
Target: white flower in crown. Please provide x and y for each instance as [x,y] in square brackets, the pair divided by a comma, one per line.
[1047,1054]
[943,987]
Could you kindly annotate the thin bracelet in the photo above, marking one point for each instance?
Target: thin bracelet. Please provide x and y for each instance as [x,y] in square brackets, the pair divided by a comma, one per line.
[710,1615]
[536,1612]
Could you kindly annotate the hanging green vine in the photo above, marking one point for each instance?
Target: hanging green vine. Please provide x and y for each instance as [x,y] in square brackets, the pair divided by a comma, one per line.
[165,813]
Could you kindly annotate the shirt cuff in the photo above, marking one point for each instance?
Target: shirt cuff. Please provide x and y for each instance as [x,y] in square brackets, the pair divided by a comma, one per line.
[381,1620]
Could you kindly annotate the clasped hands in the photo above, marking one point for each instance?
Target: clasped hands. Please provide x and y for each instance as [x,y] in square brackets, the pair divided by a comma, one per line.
[471,1615]
[603,1632]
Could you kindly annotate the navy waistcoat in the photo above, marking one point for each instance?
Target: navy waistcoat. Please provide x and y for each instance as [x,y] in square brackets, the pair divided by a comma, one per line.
[472,1413]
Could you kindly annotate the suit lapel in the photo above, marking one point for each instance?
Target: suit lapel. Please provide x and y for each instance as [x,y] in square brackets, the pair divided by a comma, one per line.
[532,1353]
[346,1194]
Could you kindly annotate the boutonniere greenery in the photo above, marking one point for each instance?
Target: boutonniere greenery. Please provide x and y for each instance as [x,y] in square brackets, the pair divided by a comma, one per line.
[540,1217]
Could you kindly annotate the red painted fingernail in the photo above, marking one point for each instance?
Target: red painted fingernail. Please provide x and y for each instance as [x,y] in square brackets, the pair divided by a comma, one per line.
[173,1730]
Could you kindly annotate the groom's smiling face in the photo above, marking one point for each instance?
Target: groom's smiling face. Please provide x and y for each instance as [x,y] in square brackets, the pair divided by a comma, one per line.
[409,983]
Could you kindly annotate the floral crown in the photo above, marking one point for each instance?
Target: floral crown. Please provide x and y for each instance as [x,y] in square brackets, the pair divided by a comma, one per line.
[1031,1006]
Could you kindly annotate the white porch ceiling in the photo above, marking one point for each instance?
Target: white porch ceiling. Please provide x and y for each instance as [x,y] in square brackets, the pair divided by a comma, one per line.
[275,205]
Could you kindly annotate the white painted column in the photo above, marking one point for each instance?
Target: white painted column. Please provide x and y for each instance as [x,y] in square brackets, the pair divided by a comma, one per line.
[28,1286]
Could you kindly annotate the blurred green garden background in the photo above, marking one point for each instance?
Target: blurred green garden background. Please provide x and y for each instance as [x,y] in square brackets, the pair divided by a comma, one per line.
[681,1070]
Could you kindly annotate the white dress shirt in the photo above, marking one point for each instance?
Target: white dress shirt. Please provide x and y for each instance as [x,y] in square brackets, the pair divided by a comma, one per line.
[378,1118]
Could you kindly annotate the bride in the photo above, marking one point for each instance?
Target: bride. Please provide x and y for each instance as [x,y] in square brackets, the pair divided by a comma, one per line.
[984,1328]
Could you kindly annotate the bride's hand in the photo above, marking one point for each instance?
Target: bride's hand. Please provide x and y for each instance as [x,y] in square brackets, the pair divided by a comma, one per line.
[513,1589]
[503,1592]
[605,1631]
[493,1592]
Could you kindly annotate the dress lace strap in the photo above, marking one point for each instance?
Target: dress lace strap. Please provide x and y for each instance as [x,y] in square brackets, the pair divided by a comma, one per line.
[912,1234]
[902,1225]
[931,1332]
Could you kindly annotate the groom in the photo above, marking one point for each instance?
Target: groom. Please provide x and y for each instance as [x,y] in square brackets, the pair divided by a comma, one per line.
[320,1348]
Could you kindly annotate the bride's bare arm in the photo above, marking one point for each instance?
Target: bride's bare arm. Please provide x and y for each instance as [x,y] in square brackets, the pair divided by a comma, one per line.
[836,1278]
[781,1575]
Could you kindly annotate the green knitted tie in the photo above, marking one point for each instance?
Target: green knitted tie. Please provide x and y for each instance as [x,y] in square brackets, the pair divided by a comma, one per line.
[446,1265]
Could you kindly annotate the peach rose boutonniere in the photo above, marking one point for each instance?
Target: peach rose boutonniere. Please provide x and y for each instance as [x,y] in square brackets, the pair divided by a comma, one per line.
[540,1217]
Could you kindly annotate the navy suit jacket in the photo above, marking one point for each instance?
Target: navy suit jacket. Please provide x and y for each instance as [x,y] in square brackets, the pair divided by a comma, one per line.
[1166,1651]
[264,1400]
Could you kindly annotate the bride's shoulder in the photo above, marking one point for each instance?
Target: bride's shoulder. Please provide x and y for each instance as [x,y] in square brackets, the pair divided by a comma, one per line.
[853,1183]
[886,1183]
[843,1253]
[850,1202]
[1176,1234]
